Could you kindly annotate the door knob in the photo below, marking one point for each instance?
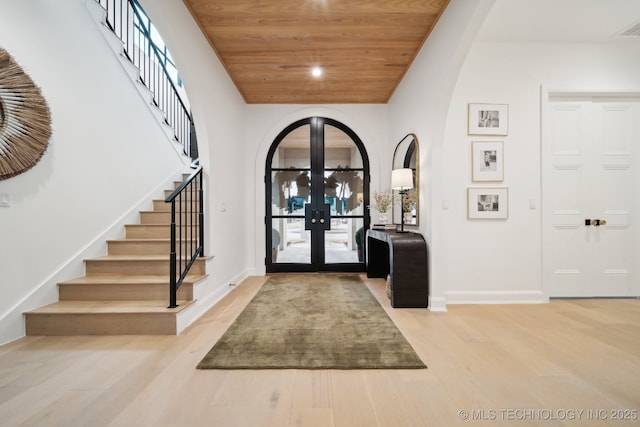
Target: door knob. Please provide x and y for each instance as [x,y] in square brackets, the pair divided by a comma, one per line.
[595,222]
[309,216]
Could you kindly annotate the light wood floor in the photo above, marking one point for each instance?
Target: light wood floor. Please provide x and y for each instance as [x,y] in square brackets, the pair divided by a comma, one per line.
[515,365]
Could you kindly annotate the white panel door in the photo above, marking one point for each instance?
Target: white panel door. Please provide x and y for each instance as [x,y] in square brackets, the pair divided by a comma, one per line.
[589,195]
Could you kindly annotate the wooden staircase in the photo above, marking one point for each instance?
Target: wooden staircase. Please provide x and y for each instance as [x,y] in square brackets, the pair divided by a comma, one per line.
[125,292]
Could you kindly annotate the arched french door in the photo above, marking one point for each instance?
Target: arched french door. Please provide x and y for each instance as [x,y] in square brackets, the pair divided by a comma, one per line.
[317,193]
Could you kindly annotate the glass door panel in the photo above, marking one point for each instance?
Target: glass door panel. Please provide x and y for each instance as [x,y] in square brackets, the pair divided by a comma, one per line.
[340,150]
[294,151]
[343,243]
[291,243]
[344,178]
[344,191]
[290,192]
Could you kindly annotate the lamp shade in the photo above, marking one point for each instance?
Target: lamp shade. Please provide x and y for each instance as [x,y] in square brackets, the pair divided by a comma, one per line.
[401,179]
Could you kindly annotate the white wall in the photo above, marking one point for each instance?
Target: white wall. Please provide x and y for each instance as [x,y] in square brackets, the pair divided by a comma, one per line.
[104,157]
[219,116]
[420,105]
[501,260]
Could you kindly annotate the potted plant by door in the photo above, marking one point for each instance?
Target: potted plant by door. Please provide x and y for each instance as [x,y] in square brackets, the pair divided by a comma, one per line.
[275,242]
[360,243]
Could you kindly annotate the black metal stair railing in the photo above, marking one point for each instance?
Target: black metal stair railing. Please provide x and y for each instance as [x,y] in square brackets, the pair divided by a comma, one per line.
[187,230]
[126,21]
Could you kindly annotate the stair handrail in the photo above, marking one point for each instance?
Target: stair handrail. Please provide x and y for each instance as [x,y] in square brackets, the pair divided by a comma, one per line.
[188,200]
[120,19]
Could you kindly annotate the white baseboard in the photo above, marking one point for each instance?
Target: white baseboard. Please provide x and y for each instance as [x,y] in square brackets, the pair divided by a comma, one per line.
[495,297]
[204,302]
[437,304]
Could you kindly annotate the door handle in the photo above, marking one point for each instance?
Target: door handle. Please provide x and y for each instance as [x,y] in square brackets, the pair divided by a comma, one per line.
[595,222]
[325,222]
[309,216]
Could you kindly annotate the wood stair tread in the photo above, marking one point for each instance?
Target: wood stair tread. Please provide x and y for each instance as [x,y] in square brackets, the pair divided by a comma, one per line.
[148,225]
[150,239]
[129,279]
[162,213]
[110,307]
[168,224]
[118,258]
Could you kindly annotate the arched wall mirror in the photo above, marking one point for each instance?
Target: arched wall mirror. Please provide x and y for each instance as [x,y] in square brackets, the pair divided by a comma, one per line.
[406,156]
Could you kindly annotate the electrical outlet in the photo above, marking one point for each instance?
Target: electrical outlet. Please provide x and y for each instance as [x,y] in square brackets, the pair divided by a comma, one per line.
[5,200]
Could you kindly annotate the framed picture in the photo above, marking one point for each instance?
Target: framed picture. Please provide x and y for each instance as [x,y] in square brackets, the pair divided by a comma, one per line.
[487,159]
[487,203]
[488,119]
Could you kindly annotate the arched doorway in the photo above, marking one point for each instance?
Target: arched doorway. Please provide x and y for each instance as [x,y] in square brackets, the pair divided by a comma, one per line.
[317,193]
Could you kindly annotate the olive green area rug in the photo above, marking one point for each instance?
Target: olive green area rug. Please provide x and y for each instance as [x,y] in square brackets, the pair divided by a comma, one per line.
[312,321]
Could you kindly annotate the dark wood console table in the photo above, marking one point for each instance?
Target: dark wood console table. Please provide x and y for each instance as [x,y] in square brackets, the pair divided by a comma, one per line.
[404,257]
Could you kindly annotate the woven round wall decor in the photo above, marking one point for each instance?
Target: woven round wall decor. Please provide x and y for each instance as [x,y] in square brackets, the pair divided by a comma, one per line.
[25,121]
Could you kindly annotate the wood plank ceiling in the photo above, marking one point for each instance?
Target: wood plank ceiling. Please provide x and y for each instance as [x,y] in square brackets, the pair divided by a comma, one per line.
[269,47]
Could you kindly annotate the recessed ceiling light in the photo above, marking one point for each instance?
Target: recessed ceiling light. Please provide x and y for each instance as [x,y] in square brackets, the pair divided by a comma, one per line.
[316,71]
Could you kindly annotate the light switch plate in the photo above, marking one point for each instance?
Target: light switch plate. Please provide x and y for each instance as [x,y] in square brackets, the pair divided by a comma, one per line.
[5,200]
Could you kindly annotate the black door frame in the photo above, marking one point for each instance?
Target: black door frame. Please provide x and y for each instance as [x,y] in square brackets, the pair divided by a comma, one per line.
[317,197]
